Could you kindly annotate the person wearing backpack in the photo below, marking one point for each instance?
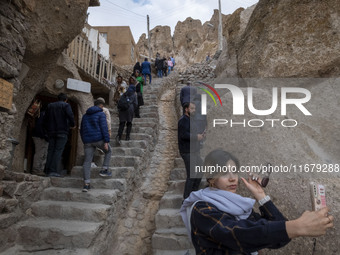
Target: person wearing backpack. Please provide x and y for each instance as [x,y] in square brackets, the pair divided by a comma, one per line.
[126,108]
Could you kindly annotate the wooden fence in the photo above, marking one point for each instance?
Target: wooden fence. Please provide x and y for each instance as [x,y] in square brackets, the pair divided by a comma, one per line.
[88,59]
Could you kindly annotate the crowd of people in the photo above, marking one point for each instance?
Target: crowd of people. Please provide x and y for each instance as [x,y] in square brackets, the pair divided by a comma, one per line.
[52,126]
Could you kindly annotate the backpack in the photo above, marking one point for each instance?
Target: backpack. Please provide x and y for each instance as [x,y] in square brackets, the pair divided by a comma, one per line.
[34,109]
[124,103]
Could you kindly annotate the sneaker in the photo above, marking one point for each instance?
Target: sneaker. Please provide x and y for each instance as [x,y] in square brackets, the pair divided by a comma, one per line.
[93,165]
[87,187]
[105,173]
[118,140]
[54,174]
[127,138]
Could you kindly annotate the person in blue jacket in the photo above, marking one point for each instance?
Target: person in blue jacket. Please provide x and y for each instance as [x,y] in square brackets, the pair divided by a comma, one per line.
[146,70]
[222,222]
[94,133]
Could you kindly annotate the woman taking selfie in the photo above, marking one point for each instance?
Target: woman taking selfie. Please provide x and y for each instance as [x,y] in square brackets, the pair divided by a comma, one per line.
[222,222]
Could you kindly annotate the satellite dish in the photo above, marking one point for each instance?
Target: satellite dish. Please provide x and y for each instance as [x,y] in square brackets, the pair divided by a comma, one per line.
[59,84]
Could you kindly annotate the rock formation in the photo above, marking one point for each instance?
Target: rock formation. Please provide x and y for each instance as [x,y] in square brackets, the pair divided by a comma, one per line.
[190,43]
[291,39]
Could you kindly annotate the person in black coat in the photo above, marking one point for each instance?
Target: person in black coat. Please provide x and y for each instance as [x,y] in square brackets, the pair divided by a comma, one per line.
[189,147]
[126,116]
[58,120]
[138,67]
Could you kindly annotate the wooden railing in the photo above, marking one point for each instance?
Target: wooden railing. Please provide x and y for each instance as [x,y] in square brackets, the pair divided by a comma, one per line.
[88,60]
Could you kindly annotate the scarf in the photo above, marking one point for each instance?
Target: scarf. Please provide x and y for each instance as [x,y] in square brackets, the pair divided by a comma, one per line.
[228,202]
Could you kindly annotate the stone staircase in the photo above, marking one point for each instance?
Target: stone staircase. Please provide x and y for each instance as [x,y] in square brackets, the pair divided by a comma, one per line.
[170,237]
[68,221]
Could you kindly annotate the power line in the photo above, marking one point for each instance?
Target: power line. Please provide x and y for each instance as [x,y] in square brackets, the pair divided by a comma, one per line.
[126,9]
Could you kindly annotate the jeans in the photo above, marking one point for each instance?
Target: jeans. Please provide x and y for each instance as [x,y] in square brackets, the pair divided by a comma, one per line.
[40,155]
[89,149]
[145,74]
[193,179]
[56,145]
[121,129]
[160,73]
[169,70]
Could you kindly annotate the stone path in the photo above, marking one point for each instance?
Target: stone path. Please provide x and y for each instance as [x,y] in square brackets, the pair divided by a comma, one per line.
[135,231]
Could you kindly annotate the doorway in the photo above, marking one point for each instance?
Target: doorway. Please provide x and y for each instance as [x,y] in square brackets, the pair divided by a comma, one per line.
[68,160]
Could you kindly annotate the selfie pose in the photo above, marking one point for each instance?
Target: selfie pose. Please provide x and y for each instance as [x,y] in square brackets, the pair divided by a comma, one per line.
[222,222]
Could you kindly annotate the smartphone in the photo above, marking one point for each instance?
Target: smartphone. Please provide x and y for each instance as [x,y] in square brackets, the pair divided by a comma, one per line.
[318,196]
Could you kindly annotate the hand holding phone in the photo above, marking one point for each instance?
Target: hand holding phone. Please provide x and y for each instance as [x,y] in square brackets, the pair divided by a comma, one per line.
[318,196]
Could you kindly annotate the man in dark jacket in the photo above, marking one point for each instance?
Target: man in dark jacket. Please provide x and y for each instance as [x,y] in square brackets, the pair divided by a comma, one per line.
[58,121]
[187,94]
[189,148]
[146,70]
[95,134]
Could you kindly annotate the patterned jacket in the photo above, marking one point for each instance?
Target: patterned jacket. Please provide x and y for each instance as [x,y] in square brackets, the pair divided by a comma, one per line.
[215,232]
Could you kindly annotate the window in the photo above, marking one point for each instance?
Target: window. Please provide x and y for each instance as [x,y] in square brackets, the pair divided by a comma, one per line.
[104,35]
[132,53]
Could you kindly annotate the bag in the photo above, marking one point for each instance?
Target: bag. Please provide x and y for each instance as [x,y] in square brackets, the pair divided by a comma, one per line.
[124,103]
[140,99]
[34,109]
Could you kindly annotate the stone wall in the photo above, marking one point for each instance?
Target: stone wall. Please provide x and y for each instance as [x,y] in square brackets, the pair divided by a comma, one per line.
[31,56]
[33,35]
[198,72]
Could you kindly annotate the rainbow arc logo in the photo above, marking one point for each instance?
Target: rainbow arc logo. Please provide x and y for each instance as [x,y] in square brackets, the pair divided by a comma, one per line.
[204,96]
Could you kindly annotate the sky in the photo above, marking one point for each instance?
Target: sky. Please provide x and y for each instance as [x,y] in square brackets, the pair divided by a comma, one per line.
[133,13]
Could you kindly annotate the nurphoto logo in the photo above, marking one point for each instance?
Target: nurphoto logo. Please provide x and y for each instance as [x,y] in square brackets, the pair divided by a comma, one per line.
[239,105]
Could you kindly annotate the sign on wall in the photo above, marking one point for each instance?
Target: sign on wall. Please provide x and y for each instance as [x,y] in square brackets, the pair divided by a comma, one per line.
[6,94]
[78,85]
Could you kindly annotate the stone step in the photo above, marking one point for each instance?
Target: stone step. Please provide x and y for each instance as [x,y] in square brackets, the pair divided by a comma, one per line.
[172,252]
[142,120]
[117,172]
[19,250]
[121,151]
[148,114]
[178,174]
[8,219]
[124,161]
[105,196]
[150,107]
[135,129]
[107,183]
[134,136]
[179,163]
[45,233]
[141,125]
[176,187]
[168,218]
[130,144]
[171,239]
[71,210]
[171,201]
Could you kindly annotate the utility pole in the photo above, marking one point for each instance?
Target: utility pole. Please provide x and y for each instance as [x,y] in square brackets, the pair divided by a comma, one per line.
[220,43]
[149,41]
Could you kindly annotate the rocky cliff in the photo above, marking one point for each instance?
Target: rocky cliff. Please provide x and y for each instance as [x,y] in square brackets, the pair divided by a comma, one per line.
[190,43]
